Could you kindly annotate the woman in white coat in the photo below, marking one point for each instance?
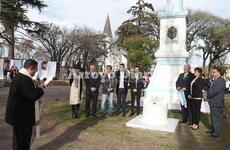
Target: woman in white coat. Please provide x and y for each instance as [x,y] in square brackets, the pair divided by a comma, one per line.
[75,92]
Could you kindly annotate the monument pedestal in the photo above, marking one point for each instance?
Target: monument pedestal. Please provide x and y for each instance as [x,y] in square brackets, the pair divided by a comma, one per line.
[161,93]
[155,116]
[169,126]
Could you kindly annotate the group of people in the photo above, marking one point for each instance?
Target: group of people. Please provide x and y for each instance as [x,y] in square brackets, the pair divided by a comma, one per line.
[20,109]
[193,85]
[112,83]
[12,72]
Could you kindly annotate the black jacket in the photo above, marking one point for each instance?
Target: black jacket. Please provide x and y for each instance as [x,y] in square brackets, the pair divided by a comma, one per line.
[20,108]
[196,88]
[136,84]
[92,81]
[126,80]
[185,82]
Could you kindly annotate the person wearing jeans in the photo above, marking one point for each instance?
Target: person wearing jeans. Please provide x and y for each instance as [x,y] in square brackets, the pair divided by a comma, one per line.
[108,84]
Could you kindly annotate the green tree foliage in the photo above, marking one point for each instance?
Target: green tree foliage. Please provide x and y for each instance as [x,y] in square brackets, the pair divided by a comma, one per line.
[143,28]
[140,51]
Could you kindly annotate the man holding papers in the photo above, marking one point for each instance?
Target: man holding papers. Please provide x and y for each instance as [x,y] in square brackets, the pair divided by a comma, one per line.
[20,110]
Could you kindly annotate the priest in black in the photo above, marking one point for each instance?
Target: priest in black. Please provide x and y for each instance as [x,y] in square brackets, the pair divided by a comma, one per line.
[20,110]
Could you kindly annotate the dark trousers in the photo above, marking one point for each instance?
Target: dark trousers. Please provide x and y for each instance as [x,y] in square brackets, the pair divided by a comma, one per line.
[91,98]
[22,137]
[196,105]
[75,109]
[135,96]
[186,113]
[121,100]
[215,113]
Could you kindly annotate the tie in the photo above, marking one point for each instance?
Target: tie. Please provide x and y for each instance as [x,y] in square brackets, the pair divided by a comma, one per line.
[185,75]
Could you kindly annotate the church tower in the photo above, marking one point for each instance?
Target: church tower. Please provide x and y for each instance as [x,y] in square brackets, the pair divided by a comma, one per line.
[114,57]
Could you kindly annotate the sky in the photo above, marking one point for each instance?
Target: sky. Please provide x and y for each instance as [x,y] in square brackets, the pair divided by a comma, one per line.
[92,13]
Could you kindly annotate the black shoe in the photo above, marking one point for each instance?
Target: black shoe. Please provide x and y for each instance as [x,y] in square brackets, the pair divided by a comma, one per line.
[103,114]
[124,114]
[111,115]
[209,132]
[213,135]
[182,121]
[76,116]
[131,114]
[117,113]
[94,115]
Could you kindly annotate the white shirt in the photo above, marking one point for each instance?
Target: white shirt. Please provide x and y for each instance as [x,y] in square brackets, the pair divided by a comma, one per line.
[109,75]
[136,77]
[227,84]
[121,82]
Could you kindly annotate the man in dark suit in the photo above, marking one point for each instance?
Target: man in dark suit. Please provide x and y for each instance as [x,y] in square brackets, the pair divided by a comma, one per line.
[136,85]
[121,89]
[20,110]
[183,83]
[92,83]
[216,101]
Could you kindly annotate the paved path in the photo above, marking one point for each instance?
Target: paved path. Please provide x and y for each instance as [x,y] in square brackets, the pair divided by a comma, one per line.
[51,93]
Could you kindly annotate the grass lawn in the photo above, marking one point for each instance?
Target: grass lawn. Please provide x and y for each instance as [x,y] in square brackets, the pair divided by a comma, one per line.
[110,133]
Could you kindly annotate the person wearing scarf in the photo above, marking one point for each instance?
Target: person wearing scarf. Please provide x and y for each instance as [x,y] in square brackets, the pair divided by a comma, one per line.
[20,110]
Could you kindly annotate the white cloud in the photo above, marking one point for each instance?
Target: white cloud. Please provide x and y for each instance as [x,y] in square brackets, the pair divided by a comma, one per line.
[92,13]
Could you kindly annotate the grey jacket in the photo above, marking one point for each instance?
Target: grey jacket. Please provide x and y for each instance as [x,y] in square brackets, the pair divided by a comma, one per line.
[216,93]
[108,83]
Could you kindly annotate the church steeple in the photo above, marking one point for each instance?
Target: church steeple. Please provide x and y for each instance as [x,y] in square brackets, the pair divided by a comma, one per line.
[107,28]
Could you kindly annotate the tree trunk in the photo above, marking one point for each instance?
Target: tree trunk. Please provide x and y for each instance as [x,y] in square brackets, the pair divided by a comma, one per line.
[11,44]
[209,67]
[58,71]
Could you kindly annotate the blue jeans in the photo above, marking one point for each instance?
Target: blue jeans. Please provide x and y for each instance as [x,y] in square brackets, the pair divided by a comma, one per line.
[104,98]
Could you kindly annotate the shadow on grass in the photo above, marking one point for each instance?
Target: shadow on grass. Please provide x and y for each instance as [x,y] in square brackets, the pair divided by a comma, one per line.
[187,140]
[205,120]
[71,134]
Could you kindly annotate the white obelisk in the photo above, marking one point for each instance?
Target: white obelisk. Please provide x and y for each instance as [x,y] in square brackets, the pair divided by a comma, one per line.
[161,93]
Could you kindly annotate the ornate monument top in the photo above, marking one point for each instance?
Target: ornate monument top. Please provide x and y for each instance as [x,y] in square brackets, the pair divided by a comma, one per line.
[174,8]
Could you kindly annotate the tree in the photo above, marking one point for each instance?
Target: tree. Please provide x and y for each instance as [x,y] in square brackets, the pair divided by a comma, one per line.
[92,46]
[144,22]
[208,33]
[213,39]
[13,16]
[24,48]
[140,51]
[56,41]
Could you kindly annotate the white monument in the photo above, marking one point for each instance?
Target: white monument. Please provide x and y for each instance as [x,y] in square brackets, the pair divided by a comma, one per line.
[161,93]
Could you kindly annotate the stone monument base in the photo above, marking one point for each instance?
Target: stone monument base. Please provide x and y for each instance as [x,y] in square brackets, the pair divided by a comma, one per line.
[169,126]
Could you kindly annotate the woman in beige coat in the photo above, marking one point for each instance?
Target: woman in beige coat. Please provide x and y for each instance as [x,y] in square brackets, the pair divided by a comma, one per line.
[75,92]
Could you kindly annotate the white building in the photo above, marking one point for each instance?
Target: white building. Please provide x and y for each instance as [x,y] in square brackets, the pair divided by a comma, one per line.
[115,56]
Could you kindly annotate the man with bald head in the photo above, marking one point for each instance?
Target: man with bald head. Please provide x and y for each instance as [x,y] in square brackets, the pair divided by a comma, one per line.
[183,83]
